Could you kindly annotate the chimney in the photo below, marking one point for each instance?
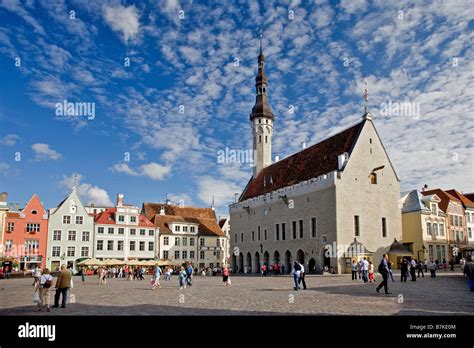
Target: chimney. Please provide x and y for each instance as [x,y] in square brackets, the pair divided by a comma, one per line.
[303,145]
[17,206]
[11,207]
[3,197]
[168,201]
[162,211]
[425,188]
[119,199]
[277,158]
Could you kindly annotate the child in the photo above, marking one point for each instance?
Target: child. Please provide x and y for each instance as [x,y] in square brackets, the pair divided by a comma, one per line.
[371,272]
[182,278]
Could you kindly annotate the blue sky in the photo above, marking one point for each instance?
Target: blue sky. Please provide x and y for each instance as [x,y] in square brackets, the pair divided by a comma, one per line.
[189,90]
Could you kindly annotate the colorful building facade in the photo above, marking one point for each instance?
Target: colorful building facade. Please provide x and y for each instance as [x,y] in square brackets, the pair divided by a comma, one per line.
[26,235]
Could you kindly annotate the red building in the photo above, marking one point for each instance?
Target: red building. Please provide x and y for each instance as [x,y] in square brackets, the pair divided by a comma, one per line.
[26,235]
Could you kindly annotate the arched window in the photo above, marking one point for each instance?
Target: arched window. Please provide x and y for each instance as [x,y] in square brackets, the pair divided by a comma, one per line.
[266,139]
[259,139]
[373,178]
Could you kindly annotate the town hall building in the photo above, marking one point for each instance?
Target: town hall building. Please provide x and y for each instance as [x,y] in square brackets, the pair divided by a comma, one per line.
[324,206]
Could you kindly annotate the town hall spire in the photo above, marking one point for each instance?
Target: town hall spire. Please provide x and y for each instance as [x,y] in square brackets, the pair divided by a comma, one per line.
[262,118]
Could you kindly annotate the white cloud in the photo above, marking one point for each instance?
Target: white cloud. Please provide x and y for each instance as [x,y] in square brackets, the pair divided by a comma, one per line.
[88,192]
[44,152]
[155,171]
[123,19]
[151,170]
[10,140]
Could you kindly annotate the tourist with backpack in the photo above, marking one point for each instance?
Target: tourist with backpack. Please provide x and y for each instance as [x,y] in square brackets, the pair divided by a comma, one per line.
[383,270]
[45,283]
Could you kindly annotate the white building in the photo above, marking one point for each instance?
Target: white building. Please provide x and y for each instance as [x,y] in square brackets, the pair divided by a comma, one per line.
[318,203]
[122,233]
[224,224]
[188,234]
[70,233]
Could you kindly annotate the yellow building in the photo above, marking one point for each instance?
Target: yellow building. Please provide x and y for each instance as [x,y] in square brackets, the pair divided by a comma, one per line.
[424,225]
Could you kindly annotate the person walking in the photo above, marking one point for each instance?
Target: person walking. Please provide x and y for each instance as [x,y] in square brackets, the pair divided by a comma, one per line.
[45,283]
[365,270]
[37,274]
[404,270]
[371,272]
[189,274]
[390,273]
[426,266]
[63,283]
[354,270]
[413,264]
[296,275]
[156,277]
[433,269]
[182,278]
[83,274]
[451,262]
[469,272]
[359,269]
[226,276]
[302,275]
[420,269]
[383,270]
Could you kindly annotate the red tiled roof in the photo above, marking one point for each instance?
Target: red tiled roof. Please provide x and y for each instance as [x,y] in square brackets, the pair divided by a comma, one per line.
[222,222]
[107,217]
[309,163]
[470,196]
[465,201]
[444,196]
[204,217]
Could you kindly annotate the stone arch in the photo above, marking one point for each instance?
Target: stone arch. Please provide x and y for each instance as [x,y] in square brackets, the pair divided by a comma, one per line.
[288,262]
[248,263]
[300,256]
[241,263]
[266,258]
[256,263]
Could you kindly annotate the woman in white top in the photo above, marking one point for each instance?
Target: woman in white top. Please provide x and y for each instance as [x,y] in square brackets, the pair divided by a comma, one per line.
[45,284]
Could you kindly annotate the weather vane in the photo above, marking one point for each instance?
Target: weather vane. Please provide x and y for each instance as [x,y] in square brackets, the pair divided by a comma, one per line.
[366,96]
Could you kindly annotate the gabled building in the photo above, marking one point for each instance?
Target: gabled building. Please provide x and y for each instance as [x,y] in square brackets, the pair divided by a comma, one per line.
[224,224]
[468,205]
[312,204]
[70,233]
[123,233]
[456,225]
[188,234]
[26,234]
[424,225]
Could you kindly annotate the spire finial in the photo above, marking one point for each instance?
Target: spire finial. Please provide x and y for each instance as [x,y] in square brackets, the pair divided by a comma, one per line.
[75,182]
[367,115]
[366,96]
[261,42]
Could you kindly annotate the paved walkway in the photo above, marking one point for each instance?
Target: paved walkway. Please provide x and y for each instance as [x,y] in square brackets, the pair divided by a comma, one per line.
[448,294]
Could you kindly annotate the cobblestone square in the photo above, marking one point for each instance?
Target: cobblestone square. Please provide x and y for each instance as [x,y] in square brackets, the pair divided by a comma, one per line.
[448,294]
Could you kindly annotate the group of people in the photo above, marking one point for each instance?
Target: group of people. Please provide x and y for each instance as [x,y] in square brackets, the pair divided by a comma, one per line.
[43,282]
[365,270]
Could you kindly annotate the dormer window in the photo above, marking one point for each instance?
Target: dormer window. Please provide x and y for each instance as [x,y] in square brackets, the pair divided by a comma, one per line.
[434,208]
[177,228]
[34,212]
[373,178]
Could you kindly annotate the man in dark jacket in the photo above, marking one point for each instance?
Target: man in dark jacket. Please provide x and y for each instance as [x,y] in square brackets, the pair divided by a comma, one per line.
[63,283]
[383,270]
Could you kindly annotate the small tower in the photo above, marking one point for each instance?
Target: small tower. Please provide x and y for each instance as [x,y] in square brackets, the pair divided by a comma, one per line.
[262,119]
[367,115]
